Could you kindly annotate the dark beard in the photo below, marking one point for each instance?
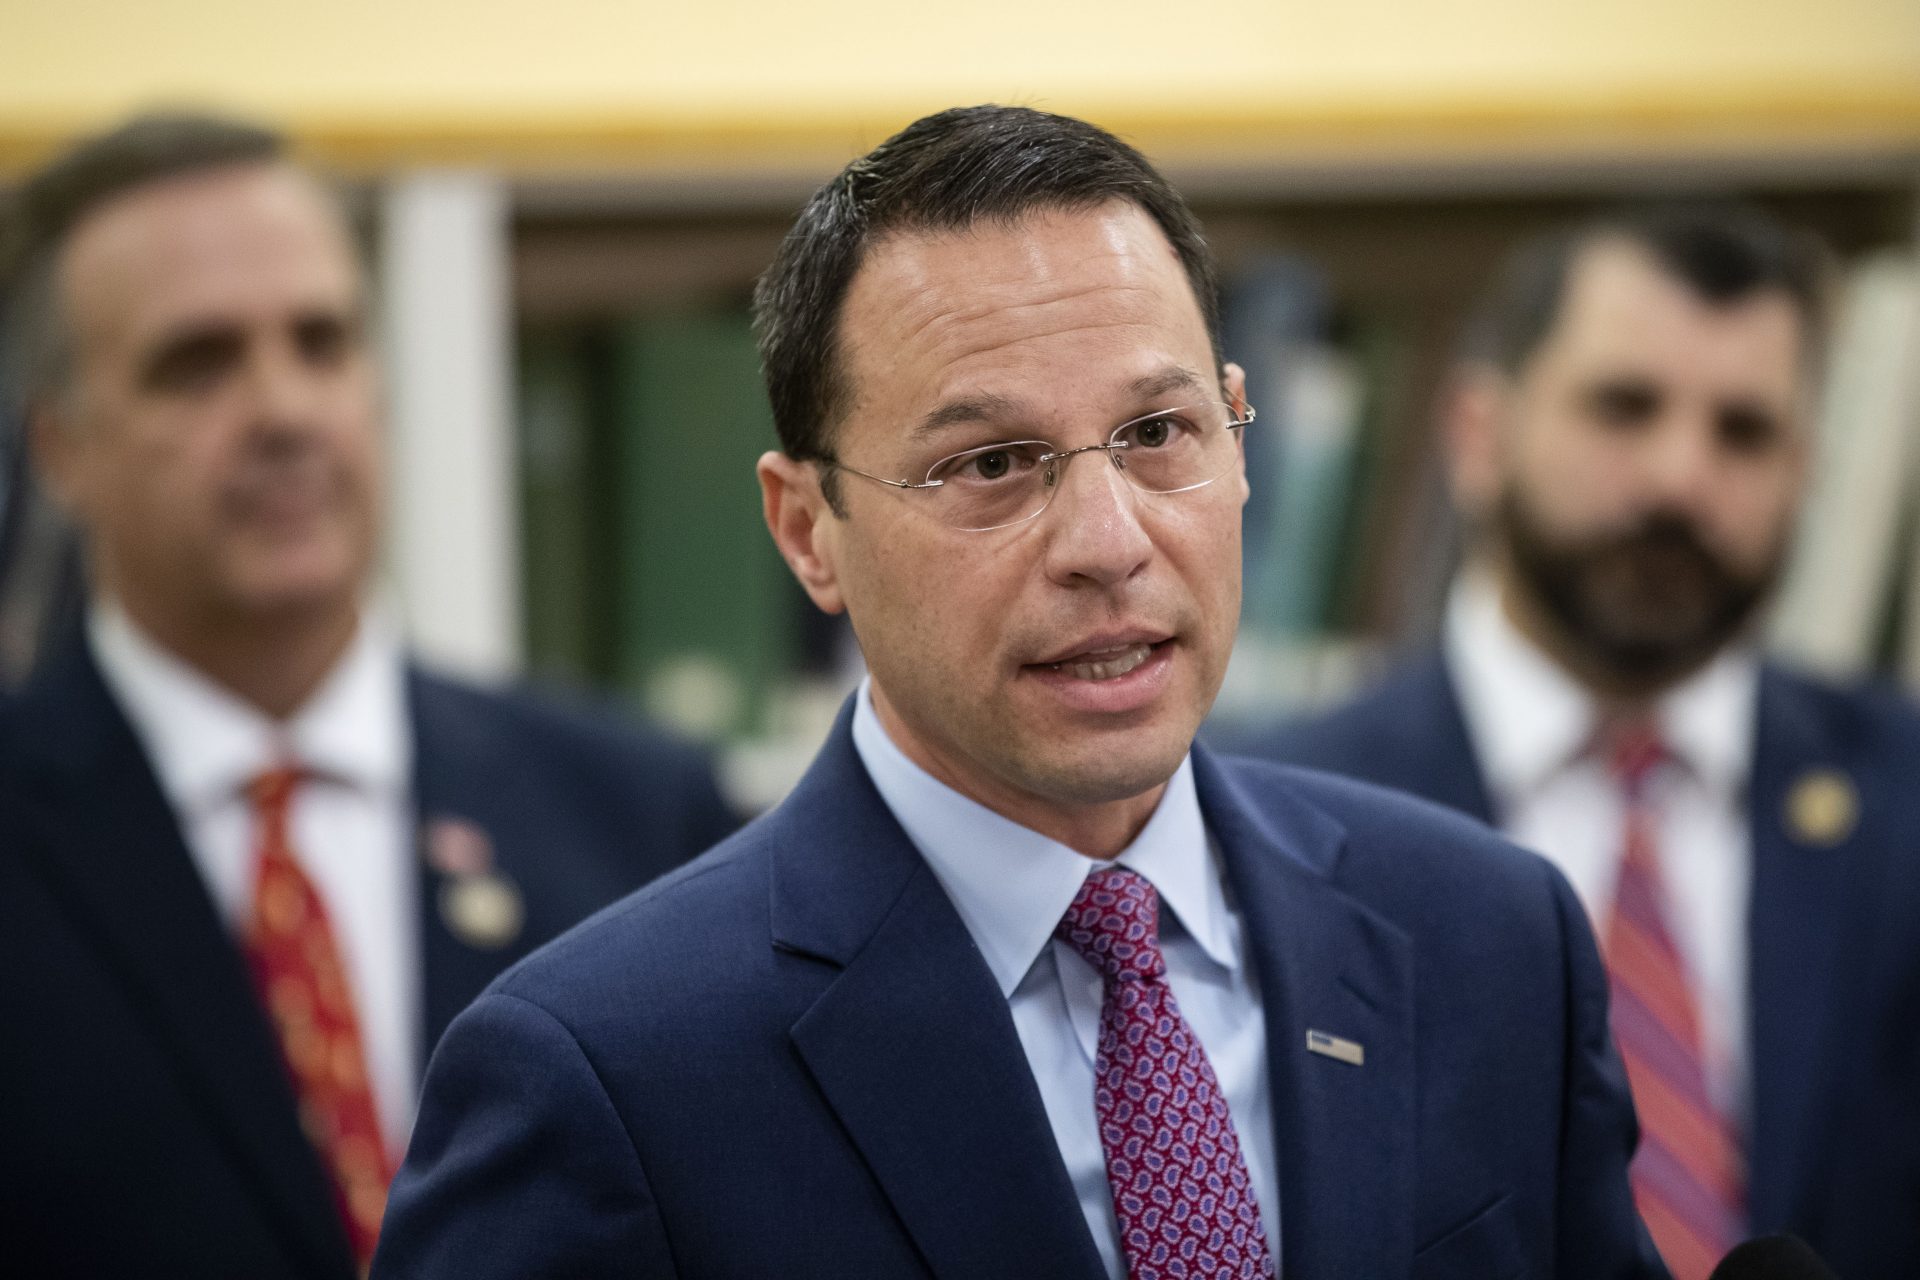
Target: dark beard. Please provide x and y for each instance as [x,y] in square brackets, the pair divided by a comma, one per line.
[1638,608]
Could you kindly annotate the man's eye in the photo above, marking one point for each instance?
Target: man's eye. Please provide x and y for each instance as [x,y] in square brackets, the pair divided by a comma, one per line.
[323,341]
[991,463]
[999,464]
[1624,405]
[992,466]
[194,364]
[1748,429]
[1153,433]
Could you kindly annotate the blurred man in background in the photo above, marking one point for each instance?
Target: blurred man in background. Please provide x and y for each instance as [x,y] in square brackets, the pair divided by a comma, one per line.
[1630,437]
[252,860]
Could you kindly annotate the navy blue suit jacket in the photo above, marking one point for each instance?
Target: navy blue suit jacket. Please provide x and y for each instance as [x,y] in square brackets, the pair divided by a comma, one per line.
[146,1125]
[789,1059]
[1834,982]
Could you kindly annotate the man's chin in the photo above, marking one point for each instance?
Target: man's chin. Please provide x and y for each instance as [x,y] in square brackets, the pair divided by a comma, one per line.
[1646,660]
[289,593]
[1658,636]
[1085,779]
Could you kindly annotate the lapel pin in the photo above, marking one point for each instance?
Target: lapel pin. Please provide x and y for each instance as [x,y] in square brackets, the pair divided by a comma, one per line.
[1348,1051]
[457,847]
[1822,808]
[479,906]
[482,911]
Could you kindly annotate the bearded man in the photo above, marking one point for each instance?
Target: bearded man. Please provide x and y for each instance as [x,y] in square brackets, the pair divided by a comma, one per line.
[1629,436]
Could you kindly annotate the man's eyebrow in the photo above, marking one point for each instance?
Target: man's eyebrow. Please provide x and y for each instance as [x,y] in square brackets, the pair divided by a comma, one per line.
[992,408]
[981,408]
[194,339]
[1173,378]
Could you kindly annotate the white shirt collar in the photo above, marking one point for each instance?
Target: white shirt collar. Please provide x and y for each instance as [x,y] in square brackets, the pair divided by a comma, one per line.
[1529,719]
[206,744]
[1011,885]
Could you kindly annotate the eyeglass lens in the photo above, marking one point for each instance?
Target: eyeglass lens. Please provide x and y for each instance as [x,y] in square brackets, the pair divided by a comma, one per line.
[1011,481]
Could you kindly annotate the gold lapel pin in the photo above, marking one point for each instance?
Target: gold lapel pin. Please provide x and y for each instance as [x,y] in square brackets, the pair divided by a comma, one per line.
[482,911]
[1822,808]
[1348,1051]
[478,905]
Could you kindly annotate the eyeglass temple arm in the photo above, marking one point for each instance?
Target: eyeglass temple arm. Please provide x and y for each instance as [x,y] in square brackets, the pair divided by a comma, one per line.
[895,484]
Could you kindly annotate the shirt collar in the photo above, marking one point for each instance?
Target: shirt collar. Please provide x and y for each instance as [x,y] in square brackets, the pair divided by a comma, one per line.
[1709,721]
[1011,885]
[1529,719]
[206,744]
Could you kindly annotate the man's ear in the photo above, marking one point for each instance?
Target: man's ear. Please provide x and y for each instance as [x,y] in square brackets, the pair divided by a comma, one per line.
[58,452]
[802,525]
[1233,380]
[1474,407]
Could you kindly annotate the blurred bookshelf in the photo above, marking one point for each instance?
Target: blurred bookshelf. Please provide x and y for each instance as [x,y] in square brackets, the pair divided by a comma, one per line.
[1360,169]
[642,413]
[646,568]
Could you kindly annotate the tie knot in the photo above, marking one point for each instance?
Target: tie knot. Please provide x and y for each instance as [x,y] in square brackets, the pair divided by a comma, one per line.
[271,791]
[1114,923]
[1633,750]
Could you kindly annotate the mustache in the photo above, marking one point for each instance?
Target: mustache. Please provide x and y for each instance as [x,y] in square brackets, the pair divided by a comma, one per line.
[1667,533]
[1644,601]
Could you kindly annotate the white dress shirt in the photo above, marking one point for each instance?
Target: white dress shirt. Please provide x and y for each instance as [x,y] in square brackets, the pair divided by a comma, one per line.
[1532,727]
[1011,886]
[352,827]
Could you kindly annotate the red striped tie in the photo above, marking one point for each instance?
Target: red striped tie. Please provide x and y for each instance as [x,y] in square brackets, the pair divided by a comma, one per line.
[1689,1176]
[296,969]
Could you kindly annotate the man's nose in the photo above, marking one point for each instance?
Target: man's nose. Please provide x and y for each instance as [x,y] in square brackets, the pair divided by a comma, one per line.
[1681,463]
[1095,531]
[283,390]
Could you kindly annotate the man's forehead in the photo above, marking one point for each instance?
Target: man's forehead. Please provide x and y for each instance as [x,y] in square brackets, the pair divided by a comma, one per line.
[1621,302]
[999,256]
[933,305]
[236,237]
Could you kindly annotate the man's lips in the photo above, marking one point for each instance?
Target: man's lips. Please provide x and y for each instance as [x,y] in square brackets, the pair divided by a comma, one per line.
[1106,679]
[1105,657]
[280,503]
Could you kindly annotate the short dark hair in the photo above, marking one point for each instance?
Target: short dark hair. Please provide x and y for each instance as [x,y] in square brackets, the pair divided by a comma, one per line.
[944,172]
[59,197]
[1724,252]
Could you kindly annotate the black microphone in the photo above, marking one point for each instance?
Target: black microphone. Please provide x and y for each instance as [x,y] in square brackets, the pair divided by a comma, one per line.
[1772,1258]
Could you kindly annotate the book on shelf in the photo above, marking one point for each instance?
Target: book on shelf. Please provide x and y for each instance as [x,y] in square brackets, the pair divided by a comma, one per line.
[1834,611]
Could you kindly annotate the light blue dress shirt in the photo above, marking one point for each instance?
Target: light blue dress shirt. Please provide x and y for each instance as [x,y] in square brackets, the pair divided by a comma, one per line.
[1011,886]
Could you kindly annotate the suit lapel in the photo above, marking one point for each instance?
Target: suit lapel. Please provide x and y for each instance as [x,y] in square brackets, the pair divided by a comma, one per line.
[111,848]
[1796,949]
[1344,1133]
[456,778]
[912,1043]
[1436,751]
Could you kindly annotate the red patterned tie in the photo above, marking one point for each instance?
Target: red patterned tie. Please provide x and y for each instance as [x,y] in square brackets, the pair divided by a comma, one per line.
[1180,1186]
[297,971]
[1688,1175]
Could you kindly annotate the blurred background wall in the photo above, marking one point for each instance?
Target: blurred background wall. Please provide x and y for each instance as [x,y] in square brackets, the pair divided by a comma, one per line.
[566,203]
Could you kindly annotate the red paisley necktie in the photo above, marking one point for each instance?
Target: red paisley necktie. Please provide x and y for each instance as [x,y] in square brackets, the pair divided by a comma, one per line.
[297,972]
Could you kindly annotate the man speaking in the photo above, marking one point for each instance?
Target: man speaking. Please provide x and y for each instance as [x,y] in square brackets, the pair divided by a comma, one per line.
[1019,982]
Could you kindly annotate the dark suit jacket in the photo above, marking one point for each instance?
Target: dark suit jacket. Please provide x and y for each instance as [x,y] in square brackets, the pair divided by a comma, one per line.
[146,1125]
[789,1059]
[1834,983]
